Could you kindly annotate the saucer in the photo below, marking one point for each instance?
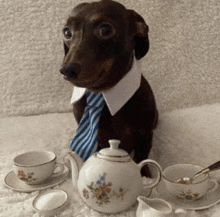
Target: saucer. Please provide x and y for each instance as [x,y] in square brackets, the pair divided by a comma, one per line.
[207,201]
[14,183]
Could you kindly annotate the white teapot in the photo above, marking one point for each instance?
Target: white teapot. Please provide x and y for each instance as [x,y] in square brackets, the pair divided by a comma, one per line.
[110,181]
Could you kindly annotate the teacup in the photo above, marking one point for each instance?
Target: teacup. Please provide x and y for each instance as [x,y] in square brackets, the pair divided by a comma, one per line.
[35,167]
[187,192]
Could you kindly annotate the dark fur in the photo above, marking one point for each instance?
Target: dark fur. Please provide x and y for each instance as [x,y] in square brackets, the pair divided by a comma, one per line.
[98,63]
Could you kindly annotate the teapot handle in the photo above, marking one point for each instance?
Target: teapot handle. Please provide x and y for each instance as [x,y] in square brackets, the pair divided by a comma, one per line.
[155,181]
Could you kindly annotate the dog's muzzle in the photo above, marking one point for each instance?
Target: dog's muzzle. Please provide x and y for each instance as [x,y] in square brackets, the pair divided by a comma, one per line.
[70,71]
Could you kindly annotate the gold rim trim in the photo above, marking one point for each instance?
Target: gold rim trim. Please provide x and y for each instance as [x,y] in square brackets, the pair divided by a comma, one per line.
[106,155]
[111,158]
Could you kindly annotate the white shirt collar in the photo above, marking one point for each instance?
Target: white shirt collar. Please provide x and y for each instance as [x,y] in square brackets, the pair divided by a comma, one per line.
[117,96]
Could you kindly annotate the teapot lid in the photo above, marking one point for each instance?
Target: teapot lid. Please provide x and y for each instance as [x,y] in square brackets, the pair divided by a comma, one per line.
[114,153]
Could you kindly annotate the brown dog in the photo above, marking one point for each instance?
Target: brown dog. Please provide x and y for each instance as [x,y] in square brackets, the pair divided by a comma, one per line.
[100,41]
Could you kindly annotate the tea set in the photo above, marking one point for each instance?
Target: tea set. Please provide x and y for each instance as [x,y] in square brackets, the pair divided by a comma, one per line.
[111,182]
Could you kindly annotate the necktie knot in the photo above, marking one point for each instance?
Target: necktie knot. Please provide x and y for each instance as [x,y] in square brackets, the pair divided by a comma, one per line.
[94,99]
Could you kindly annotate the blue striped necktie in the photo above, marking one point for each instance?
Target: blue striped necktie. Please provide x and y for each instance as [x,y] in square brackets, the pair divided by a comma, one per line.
[85,142]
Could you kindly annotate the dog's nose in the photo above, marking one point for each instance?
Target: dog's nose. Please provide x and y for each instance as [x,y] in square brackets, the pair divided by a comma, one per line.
[70,71]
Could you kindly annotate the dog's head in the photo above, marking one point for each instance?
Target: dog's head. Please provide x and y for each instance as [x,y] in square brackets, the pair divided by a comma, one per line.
[99,42]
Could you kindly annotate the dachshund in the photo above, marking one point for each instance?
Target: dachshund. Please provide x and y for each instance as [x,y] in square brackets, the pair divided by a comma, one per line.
[101,42]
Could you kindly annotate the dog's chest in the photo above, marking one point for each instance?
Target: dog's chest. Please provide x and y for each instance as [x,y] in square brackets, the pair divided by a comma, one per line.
[109,126]
[107,121]
[131,124]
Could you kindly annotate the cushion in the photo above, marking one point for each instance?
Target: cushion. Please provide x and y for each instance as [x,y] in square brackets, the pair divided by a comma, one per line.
[188,136]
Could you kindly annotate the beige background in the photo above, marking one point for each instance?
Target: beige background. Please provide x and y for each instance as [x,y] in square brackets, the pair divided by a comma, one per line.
[182,65]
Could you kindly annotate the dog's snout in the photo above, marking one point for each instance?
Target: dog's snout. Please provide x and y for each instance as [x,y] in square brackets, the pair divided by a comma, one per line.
[70,71]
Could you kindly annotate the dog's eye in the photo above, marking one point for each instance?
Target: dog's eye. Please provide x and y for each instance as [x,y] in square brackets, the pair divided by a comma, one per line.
[106,30]
[67,33]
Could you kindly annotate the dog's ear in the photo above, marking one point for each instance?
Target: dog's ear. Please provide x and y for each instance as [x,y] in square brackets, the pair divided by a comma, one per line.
[139,31]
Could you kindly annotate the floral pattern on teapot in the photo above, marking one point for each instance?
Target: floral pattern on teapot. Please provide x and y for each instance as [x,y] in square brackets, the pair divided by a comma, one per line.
[102,191]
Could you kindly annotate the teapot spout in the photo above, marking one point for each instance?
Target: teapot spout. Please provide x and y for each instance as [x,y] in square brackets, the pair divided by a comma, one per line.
[76,163]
